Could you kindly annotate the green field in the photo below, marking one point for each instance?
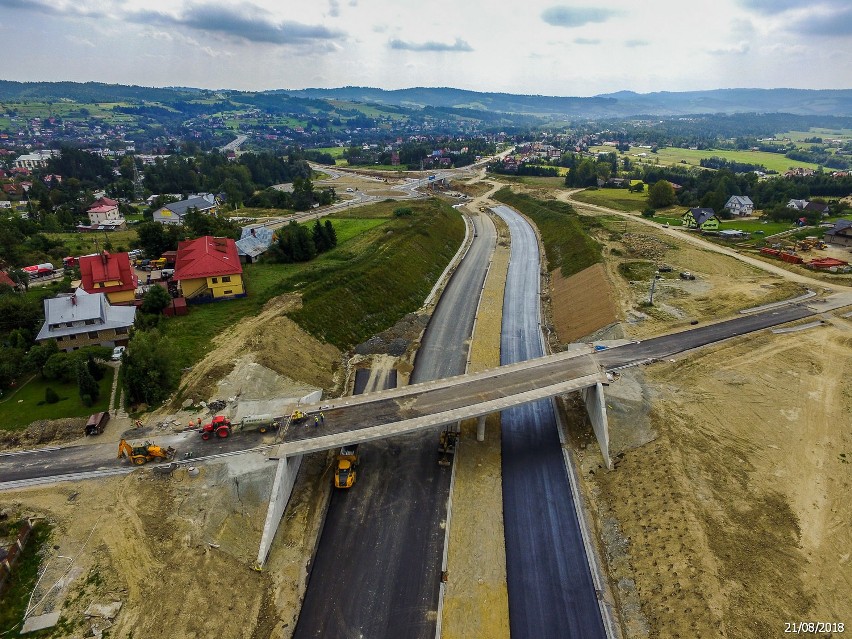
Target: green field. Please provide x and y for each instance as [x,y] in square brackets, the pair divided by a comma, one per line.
[333,151]
[532,180]
[85,243]
[673,155]
[618,199]
[26,404]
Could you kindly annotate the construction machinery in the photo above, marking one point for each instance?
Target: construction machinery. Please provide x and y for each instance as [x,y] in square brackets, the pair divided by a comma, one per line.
[222,427]
[139,455]
[347,459]
[447,444]
[298,417]
[219,425]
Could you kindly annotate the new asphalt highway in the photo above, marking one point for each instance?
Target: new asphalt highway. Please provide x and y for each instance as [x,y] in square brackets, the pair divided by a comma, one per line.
[551,593]
[378,565]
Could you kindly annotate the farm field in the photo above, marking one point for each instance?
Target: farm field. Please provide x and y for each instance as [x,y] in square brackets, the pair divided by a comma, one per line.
[673,155]
[619,199]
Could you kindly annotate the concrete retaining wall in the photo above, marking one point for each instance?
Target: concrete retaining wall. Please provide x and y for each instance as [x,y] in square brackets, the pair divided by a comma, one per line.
[595,401]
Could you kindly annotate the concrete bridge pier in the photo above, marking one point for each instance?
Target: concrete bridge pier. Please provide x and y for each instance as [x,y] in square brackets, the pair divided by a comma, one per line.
[593,396]
[480,428]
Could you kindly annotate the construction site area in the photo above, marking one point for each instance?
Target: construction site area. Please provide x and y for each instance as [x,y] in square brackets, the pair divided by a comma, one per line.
[725,513]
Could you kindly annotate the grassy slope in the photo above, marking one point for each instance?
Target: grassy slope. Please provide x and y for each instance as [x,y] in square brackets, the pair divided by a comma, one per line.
[373,255]
[619,199]
[385,274]
[564,234]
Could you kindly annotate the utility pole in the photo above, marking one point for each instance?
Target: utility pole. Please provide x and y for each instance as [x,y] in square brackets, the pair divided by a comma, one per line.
[653,286]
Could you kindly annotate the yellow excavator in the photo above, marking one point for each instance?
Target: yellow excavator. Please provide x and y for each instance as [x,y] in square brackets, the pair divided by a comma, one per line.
[139,455]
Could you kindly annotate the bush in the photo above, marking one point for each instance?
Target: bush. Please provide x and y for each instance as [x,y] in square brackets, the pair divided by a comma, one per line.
[50,396]
[403,211]
[649,212]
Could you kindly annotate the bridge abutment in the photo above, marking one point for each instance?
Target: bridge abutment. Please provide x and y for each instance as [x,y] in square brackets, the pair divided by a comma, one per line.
[595,401]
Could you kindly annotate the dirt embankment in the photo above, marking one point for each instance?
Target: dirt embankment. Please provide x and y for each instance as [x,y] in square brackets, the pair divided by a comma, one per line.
[581,304]
[173,551]
[271,339]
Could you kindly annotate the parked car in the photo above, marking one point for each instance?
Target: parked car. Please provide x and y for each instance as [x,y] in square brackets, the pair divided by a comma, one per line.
[117,352]
[664,268]
[686,275]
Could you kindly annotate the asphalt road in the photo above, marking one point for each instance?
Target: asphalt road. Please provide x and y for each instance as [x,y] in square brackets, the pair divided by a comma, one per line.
[377,569]
[551,593]
[97,457]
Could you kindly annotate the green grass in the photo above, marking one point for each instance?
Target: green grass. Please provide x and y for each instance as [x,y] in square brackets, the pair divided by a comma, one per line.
[389,271]
[13,604]
[618,199]
[674,155]
[634,271]
[565,236]
[85,243]
[26,404]
[333,151]
[389,264]
[532,180]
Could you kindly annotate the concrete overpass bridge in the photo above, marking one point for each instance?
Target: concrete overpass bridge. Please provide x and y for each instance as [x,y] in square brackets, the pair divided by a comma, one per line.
[364,418]
[429,405]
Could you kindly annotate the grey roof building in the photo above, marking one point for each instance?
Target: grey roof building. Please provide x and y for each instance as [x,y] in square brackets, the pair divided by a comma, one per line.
[173,212]
[84,319]
[255,240]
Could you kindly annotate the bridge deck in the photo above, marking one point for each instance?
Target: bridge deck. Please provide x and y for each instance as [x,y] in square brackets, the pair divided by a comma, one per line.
[401,410]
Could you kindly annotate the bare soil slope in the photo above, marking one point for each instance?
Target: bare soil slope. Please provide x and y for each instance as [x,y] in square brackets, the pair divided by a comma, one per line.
[582,303]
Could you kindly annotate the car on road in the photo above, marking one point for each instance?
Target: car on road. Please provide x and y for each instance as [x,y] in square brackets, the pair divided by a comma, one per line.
[117,352]
[665,225]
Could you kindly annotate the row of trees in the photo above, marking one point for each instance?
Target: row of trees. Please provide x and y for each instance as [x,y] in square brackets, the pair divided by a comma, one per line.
[296,243]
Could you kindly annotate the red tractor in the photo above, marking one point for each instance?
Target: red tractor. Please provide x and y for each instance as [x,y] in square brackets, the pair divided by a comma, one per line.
[220,425]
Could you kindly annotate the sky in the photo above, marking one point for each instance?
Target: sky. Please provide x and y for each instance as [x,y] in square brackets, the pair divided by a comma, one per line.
[568,48]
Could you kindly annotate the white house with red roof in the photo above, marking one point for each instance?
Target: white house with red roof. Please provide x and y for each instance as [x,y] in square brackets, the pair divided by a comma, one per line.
[103,210]
[111,274]
[208,269]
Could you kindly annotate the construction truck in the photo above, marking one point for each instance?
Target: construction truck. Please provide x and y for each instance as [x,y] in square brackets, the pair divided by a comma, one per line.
[347,459]
[139,455]
[447,444]
[298,417]
[222,427]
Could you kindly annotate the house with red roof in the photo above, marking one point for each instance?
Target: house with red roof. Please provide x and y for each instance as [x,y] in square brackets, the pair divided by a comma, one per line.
[102,210]
[209,269]
[8,281]
[109,273]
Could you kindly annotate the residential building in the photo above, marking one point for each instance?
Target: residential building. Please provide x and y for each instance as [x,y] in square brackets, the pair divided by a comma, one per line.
[701,219]
[102,210]
[840,234]
[255,241]
[174,212]
[35,160]
[110,274]
[209,269]
[799,205]
[81,319]
[740,205]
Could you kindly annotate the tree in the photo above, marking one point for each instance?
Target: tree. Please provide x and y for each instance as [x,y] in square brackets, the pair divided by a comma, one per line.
[87,386]
[40,353]
[150,372]
[60,367]
[155,300]
[661,195]
[330,233]
[11,365]
[50,396]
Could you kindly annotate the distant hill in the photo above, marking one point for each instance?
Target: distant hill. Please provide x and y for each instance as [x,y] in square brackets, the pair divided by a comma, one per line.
[619,104]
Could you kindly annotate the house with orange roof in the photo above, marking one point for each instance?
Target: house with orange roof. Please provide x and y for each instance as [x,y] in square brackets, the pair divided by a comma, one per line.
[209,269]
[111,274]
